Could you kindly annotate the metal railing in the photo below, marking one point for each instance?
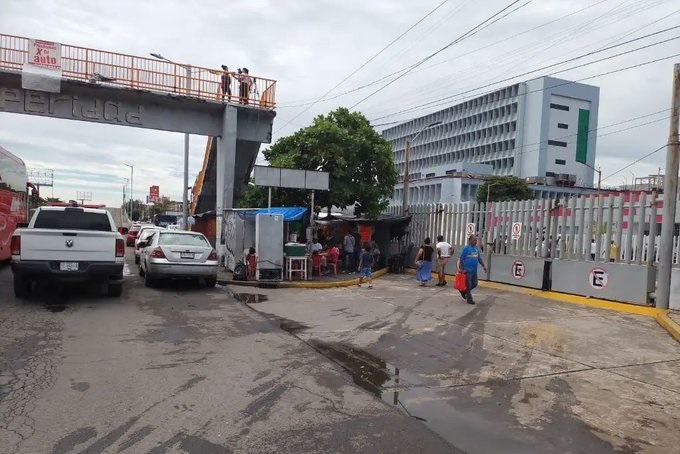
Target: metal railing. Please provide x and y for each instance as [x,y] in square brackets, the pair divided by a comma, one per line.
[572,228]
[115,69]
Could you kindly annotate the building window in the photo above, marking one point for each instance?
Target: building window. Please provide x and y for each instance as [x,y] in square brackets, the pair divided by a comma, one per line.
[562,125]
[560,162]
[557,143]
[429,175]
[550,174]
[559,107]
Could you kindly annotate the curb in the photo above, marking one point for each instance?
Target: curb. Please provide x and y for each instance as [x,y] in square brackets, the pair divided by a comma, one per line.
[302,284]
[668,324]
[567,297]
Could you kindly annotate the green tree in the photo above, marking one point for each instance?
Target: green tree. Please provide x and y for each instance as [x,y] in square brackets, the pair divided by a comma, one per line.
[343,143]
[503,189]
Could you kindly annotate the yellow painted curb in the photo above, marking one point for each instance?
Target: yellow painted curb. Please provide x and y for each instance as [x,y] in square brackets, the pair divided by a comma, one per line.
[668,324]
[349,283]
[569,298]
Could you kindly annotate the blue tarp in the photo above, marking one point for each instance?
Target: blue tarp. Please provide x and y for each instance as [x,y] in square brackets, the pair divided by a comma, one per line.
[289,213]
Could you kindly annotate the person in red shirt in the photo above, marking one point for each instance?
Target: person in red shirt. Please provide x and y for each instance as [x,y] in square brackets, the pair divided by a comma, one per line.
[333,255]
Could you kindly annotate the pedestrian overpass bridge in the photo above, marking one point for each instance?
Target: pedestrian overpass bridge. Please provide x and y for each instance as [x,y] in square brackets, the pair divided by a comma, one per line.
[125,90]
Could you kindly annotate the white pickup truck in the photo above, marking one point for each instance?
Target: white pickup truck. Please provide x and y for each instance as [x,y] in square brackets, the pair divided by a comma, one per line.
[68,244]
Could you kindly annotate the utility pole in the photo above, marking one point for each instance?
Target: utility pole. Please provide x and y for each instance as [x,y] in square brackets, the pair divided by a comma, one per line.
[407,157]
[670,191]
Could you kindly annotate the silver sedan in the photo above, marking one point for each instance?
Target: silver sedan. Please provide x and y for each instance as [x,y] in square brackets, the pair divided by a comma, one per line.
[176,254]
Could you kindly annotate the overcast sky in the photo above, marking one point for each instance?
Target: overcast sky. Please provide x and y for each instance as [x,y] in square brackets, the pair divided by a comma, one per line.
[310,46]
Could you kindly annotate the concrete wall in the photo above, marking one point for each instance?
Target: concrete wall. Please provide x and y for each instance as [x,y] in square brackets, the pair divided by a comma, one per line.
[613,281]
[675,289]
[522,271]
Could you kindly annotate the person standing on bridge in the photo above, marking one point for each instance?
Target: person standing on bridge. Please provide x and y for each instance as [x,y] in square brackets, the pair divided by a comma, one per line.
[225,84]
[244,85]
[469,260]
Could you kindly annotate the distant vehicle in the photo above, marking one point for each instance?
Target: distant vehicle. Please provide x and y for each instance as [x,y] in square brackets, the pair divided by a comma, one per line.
[164,220]
[173,227]
[13,181]
[133,232]
[176,254]
[68,244]
[145,232]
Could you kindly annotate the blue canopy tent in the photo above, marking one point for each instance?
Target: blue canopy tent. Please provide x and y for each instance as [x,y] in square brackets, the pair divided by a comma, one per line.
[289,213]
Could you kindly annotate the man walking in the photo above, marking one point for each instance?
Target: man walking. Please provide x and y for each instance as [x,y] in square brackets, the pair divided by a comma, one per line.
[348,244]
[444,252]
[468,261]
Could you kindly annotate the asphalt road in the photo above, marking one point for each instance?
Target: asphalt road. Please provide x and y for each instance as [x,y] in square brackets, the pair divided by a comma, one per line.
[178,369]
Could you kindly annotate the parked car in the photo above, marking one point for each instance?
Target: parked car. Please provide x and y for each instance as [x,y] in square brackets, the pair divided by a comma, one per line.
[144,233]
[68,244]
[177,254]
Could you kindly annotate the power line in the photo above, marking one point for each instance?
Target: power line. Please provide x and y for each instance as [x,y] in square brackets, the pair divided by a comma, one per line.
[304,102]
[474,30]
[439,101]
[547,88]
[366,63]
[532,53]
[636,161]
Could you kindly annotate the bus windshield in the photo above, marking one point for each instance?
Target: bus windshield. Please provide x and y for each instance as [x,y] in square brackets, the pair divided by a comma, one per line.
[13,181]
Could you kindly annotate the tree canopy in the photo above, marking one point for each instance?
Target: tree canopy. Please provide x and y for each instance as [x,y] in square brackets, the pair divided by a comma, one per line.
[343,143]
[504,188]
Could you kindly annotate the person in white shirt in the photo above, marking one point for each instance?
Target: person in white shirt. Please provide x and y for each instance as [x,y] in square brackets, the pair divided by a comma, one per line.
[593,249]
[316,246]
[444,253]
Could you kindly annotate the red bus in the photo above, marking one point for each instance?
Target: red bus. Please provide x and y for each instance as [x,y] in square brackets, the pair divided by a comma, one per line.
[13,181]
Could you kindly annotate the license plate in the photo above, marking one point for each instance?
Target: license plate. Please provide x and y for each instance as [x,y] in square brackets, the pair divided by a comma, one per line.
[186,255]
[68,266]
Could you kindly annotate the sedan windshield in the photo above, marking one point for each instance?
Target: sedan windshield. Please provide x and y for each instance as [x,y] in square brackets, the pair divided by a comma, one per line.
[180,239]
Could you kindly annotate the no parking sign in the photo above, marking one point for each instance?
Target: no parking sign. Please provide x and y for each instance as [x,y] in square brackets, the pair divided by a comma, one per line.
[516,230]
[470,228]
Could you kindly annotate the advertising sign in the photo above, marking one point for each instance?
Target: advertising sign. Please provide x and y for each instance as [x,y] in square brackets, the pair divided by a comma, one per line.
[42,69]
[44,53]
[154,192]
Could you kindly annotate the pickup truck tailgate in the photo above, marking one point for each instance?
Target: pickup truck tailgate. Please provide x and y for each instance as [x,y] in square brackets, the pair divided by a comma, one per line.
[68,245]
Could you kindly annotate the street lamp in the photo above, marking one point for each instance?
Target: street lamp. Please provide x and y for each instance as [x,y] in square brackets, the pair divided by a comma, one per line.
[185,198]
[407,163]
[632,181]
[132,175]
[488,211]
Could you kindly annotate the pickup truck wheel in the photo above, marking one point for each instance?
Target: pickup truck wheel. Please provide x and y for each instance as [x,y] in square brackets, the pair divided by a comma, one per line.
[210,282]
[115,290]
[148,280]
[22,287]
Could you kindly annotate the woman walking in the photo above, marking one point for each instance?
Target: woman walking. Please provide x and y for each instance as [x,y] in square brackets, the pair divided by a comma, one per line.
[424,262]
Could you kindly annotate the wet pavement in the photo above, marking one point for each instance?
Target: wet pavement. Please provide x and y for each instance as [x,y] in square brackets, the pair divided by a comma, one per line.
[513,374]
[179,369]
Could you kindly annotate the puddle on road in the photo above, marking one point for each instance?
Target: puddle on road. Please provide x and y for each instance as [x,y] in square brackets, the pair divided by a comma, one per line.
[290,326]
[249,298]
[467,430]
[126,271]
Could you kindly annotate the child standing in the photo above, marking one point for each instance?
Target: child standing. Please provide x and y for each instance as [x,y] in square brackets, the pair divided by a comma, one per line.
[365,265]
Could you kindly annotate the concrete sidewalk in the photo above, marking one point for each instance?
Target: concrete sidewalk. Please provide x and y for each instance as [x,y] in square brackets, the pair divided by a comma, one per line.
[515,373]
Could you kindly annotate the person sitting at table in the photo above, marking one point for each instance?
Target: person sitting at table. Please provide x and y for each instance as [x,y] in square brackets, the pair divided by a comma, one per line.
[316,246]
[332,259]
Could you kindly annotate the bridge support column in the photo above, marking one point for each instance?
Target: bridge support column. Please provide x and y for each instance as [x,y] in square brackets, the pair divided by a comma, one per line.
[226,169]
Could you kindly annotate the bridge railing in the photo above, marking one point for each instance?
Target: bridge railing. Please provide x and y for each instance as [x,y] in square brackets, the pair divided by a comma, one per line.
[144,73]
